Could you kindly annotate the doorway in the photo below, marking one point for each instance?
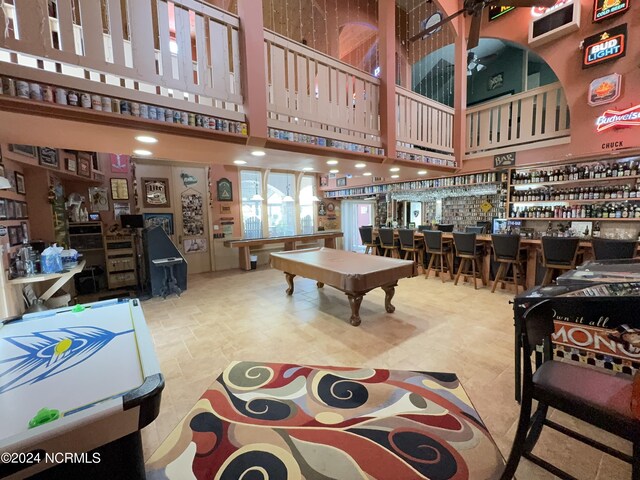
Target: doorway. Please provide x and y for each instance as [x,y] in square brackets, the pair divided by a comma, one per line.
[356,214]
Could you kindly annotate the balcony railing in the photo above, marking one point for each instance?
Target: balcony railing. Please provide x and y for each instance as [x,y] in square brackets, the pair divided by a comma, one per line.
[129,50]
[312,94]
[532,119]
[424,129]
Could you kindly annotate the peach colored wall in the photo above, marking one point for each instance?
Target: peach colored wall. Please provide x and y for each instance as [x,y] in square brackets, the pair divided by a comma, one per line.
[565,58]
[230,172]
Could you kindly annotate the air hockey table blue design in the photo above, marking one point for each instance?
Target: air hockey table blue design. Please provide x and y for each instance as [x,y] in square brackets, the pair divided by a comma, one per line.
[93,371]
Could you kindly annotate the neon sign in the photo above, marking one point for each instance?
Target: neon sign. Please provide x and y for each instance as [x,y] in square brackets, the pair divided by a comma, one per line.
[605,89]
[496,11]
[618,118]
[608,8]
[605,46]
[540,11]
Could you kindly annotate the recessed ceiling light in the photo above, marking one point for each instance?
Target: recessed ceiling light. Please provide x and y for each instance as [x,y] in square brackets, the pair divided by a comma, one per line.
[367,174]
[239,162]
[394,169]
[258,153]
[334,170]
[332,162]
[308,169]
[360,165]
[146,139]
[395,176]
[422,172]
[142,153]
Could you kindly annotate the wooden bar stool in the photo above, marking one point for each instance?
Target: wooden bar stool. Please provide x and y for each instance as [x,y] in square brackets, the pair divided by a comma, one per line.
[610,249]
[366,235]
[558,253]
[388,243]
[467,251]
[437,248]
[409,246]
[508,253]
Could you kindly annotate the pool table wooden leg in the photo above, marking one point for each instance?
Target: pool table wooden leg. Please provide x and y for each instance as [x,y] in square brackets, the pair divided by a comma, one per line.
[390,291]
[355,300]
[289,277]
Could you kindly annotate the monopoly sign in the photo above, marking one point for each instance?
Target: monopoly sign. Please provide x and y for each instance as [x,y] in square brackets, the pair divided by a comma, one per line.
[608,8]
[614,118]
[605,46]
[593,339]
[605,89]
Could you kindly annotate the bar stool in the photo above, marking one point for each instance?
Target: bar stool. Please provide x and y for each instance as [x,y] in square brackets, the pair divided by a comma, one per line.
[467,250]
[409,246]
[445,227]
[610,249]
[508,253]
[422,228]
[558,253]
[477,230]
[387,242]
[366,235]
[435,247]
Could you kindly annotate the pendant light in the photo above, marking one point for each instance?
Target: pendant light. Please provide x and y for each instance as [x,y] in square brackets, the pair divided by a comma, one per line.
[288,198]
[257,197]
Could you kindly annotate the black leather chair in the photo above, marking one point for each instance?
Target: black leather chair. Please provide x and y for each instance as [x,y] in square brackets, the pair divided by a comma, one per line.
[610,249]
[476,230]
[558,253]
[438,250]
[485,225]
[422,228]
[409,246]
[387,242]
[366,235]
[445,227]
[509,254]
[467,251]
[592,395]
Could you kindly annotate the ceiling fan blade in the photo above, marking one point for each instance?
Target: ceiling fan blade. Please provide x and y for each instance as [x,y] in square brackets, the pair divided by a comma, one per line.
[474,31]
[525,3]
[435,26]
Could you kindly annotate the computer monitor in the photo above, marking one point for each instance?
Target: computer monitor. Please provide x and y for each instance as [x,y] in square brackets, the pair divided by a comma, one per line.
[131,221]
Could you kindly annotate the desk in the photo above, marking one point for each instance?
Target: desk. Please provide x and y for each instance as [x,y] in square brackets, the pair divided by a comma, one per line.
[60,279]
[93,368]
[289,244]
[269,420]
[353,273]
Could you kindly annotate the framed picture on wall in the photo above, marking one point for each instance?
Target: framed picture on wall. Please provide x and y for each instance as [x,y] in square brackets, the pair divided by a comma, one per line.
[26,150]
[164,220]
[25,231]
[48,157]
[496,81]
[20,188]
[70,160]
[119,163]
[84,164]
[3,209]
[155,192]
[11,210]
[341,182]
[25,211]
[14,235]
[324,181]
[18,209]
[225,209]
[119,189]
[225,190]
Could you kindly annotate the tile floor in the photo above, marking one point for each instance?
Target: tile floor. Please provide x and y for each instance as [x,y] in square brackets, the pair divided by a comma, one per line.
[236,315]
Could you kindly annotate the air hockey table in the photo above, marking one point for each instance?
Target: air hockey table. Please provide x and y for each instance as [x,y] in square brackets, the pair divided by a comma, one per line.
[77,384]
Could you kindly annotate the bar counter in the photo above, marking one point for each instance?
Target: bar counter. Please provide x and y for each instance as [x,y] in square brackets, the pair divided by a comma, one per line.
[534,253]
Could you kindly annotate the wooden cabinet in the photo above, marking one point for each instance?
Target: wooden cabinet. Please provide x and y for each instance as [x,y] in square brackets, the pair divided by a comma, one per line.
[120,253]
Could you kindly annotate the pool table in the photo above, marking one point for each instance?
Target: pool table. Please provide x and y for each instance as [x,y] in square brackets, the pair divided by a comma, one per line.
[82,380]
[355,274]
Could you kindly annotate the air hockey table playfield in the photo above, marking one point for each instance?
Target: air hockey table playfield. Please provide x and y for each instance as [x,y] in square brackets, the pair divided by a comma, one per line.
[78,380]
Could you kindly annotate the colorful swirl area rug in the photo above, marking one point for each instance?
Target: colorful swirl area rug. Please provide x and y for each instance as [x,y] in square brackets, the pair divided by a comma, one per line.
[267,421]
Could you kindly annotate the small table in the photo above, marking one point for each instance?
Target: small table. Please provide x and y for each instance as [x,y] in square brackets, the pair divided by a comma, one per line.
[299,421]
[75,380]
[170,282]
[60,279]
[355,274]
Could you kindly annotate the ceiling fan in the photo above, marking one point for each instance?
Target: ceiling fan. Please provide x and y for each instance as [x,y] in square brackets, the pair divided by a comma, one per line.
[477,64]
[474,9]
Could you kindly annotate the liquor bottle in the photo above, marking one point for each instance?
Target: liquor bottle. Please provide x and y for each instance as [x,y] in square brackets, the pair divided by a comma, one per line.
[596,230]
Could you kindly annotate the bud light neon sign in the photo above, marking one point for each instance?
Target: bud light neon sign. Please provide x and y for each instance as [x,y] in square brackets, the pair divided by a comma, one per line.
[618,118]
[605,46]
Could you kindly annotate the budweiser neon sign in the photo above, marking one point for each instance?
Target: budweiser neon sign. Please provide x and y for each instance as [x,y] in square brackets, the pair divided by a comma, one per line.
[618,118]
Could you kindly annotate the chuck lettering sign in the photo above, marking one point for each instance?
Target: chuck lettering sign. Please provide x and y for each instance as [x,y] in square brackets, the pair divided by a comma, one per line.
[605,46]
